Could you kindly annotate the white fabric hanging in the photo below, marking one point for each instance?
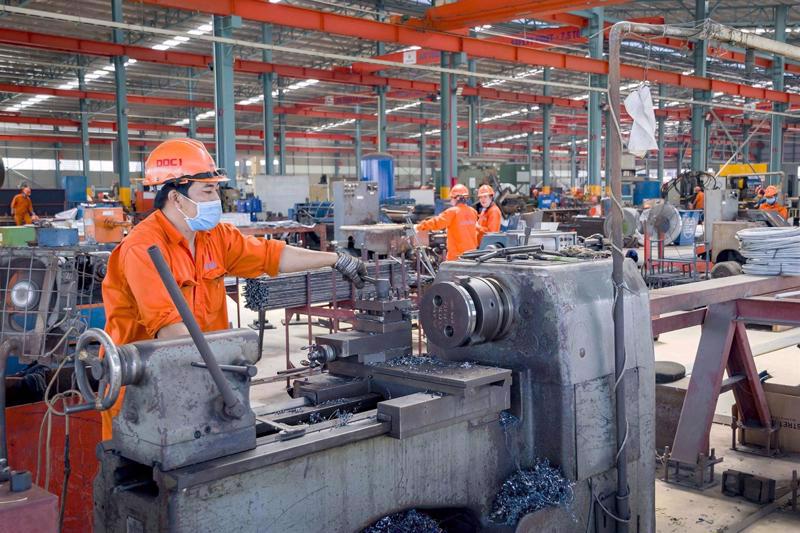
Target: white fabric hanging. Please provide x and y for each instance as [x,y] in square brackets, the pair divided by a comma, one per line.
[639,105]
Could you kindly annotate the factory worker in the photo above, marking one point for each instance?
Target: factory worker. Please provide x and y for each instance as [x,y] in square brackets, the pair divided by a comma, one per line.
[771,202]
[490,217]
[459,221]
[699,198]
[199,250]
[22,207]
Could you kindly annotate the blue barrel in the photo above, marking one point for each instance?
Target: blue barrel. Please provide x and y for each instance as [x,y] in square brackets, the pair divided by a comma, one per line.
[646,190]
[74,189]
[379,168]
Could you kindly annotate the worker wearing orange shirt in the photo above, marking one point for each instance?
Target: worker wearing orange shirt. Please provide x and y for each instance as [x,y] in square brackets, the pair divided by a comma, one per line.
[22,207]
[459,221]
[771,202]
[490,217]
[199,251]
[699,199]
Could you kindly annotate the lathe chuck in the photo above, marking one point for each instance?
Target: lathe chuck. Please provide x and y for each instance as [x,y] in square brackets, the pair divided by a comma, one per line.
[470,310]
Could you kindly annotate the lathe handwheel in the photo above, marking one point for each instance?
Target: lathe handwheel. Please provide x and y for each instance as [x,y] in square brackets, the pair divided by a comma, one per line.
[108,370]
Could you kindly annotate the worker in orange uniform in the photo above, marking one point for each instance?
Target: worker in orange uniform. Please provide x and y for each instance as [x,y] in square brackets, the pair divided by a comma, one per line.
[199,251]
[699,199]
[490,217]
[771,202]
[597,209]
[459,221]
[22,207]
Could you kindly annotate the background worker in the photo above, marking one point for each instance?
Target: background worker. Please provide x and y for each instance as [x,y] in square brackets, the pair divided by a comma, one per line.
[771,202]
[490,216]
[22,207]
[699,199]
[459,221]
[199,251]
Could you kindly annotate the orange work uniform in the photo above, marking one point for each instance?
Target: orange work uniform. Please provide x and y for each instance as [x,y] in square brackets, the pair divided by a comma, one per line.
[782,211]
[699,200]
[459,221]
[489,221]
[136,302]
[22,209]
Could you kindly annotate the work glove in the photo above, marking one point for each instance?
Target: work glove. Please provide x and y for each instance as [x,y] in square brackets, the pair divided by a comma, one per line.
[352,268]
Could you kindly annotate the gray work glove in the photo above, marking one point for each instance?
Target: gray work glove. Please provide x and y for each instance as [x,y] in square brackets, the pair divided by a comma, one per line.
[352,268]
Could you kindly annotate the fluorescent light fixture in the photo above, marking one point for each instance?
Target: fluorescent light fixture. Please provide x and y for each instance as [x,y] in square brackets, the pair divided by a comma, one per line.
[159,47]
[12,109]
[402,107]
[170,43]
[331,125]
[65,86]
[131,61]
[109,68]
[180,38]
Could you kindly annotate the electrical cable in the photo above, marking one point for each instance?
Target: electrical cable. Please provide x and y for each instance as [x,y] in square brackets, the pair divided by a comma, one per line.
[770,251]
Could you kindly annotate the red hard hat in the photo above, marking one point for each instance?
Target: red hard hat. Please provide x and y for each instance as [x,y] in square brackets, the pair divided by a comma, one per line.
[182,160]
[485,189]
[459,190]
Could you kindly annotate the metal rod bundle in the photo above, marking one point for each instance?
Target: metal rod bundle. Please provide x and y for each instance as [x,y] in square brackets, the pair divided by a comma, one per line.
[324,285]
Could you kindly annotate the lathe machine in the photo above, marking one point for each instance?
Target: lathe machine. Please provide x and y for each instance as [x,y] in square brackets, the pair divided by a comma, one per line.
[379,430]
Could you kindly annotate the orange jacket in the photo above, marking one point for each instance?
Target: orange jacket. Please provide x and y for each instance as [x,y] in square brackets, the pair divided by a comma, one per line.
[22,209]
[136,302]
[699,200]
[459,221]
[782,211]
[489,221]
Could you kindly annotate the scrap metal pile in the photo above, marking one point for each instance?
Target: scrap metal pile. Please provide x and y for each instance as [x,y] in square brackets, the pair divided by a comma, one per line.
[770,251]
[529,490]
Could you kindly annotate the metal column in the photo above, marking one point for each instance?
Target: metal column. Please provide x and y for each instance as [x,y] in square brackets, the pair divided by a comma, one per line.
[472,123]
[383,145]
[225,126]
[423,163]
[120,81]
[662,92]
[778,67]
[281,137]
[57,147]
[85,148]
[595,108]
[546,109]
[190,94]
[573,164]
[529,151]
[456,60]
[749,65]
[357,141]
[267,80]
[698,111]
[442,184]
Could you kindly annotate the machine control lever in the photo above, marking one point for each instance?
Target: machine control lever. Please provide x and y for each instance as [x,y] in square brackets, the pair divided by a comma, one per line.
[245,370]
[285,432]
[233,406]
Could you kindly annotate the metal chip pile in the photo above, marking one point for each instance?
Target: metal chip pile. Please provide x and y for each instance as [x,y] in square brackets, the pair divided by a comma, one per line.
[423,363]
[530,490]
[256,294]
[405,522]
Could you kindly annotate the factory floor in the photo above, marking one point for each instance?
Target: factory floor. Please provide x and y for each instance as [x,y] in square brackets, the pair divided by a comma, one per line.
[677,509]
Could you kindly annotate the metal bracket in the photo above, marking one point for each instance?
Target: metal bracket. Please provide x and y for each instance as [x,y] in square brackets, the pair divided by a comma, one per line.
[699,475]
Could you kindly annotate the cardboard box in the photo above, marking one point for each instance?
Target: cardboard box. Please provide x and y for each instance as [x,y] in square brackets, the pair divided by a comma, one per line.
[784,406]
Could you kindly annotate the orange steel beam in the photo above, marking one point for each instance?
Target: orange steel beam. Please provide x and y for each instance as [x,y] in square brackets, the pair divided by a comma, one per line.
[340,75]
[469,13]
[333,23]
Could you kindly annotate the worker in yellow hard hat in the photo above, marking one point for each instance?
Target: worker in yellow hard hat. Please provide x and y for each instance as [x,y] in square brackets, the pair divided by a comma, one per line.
[459,221]
[490,216]
[771,202]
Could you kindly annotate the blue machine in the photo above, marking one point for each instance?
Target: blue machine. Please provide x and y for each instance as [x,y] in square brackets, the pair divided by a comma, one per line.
[74,190]
[379,168]
[646,190]
[55,237]
[250,205]
[546,200]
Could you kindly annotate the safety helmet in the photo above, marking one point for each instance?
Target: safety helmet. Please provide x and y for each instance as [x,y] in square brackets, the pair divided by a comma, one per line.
[771,191]
[181,160]
[458,190]
[484,190]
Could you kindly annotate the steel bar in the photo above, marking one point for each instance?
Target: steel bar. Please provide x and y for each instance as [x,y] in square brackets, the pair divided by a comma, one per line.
[233,406]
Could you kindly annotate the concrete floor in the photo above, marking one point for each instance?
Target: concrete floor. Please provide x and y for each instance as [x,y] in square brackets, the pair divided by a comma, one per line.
[677,509]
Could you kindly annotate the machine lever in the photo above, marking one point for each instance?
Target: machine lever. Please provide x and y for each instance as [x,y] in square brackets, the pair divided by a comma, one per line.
[233,407]
[245,370]
[285,432]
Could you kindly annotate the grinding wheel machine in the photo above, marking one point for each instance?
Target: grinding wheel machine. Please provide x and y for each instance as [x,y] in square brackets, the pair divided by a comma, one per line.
[379,430]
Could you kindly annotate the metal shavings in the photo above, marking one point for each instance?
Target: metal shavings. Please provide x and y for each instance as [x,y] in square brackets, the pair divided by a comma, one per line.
[316,418]
[507,420]
[582,252]
[405,522]
[343,417]
[337,401]
[256,294]
[289,411]
[530,490]
[423,363]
